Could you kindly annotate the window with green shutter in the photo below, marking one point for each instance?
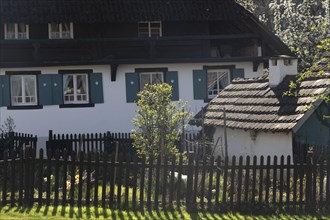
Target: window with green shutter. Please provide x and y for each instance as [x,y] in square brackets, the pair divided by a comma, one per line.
[80,88]
[20,90]
[136,81]
[211,80]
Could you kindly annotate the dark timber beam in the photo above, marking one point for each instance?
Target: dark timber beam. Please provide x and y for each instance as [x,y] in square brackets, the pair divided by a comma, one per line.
[113,72]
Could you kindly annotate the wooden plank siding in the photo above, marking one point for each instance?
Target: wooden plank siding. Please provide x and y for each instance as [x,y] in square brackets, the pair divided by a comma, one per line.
[207,184]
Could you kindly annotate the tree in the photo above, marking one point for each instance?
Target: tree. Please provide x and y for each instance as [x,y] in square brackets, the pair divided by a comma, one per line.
[159,122]
[301,24]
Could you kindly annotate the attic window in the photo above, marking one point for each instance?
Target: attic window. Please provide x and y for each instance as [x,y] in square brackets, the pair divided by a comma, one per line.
[16,31]
[287,62]
[150,29]
[60,30]
[274,62]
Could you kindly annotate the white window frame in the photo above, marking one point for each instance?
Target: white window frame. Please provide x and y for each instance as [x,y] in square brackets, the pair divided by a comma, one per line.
[75,94]
[16,34]
[215,92]
[150,28]
[150,74]
[50,33]
[24,95]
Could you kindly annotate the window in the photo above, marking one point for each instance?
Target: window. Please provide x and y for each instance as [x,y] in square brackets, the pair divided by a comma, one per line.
[150,29]
[75,88]
[16,31]
[217,80]
[60,30]
[150,78]
[23,90]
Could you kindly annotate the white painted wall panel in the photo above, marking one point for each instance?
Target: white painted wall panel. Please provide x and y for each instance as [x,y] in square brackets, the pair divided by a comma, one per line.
[112,115]
[240,143]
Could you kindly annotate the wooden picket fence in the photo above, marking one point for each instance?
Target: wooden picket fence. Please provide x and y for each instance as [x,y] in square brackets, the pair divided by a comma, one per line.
[126,182]
[108,142]
[16,141]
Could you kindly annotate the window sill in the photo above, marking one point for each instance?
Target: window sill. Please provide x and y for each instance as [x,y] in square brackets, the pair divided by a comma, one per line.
[77,105]
[24,107]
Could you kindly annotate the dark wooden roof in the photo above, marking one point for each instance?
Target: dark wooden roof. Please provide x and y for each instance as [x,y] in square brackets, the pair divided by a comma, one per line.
[43,11]
[252,105]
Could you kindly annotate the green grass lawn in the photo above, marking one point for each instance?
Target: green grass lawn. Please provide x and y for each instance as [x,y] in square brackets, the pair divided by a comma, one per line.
[100,213]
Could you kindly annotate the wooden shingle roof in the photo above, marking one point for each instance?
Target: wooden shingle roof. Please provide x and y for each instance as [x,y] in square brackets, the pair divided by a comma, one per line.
[90,11]
[251,104]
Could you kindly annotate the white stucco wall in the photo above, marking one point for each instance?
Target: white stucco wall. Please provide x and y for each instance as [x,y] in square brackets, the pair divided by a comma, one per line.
[114,114]
[240,143]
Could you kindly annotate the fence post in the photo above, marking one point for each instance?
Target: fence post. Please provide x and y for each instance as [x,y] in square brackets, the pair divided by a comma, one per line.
[50,142]
[308,180]
[190,180]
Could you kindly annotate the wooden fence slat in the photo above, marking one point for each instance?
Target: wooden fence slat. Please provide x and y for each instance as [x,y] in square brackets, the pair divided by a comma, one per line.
[267,180]
[203,178]
[80,173]
[288,181]
[189,183]
[196,187]
[178,198]
[73,178]
[321,199]
[281,184]
[225,177]
[12,177]
[274,179]
[5,177]
[261,179]
[232,181]
[96,179]
[247,180]
[48,176]
[150,167]
[104,178]
[328,182]
[119,180]
[40,176]
[294,184]
[239,180]
[314,178]
[57,177]
[32,168]
[217,182]
[88,178]
[112,180]
[254,180]
[135,182]
[127,174]
[209,195]
[65,177]
[301,184]
[21,177]
[157,182]
[164,182]
[142,177]
[171,195]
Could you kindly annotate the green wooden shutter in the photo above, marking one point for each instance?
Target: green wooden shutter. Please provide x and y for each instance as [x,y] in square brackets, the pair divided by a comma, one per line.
[5,90]
[171,78]
[200,84]
[132,86]
[50,89]
[45,89]
[237,73]
[96,85]
[57,89]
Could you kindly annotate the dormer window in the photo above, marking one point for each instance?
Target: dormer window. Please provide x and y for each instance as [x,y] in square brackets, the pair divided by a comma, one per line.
[14,31]
[60,30]
[150,29]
